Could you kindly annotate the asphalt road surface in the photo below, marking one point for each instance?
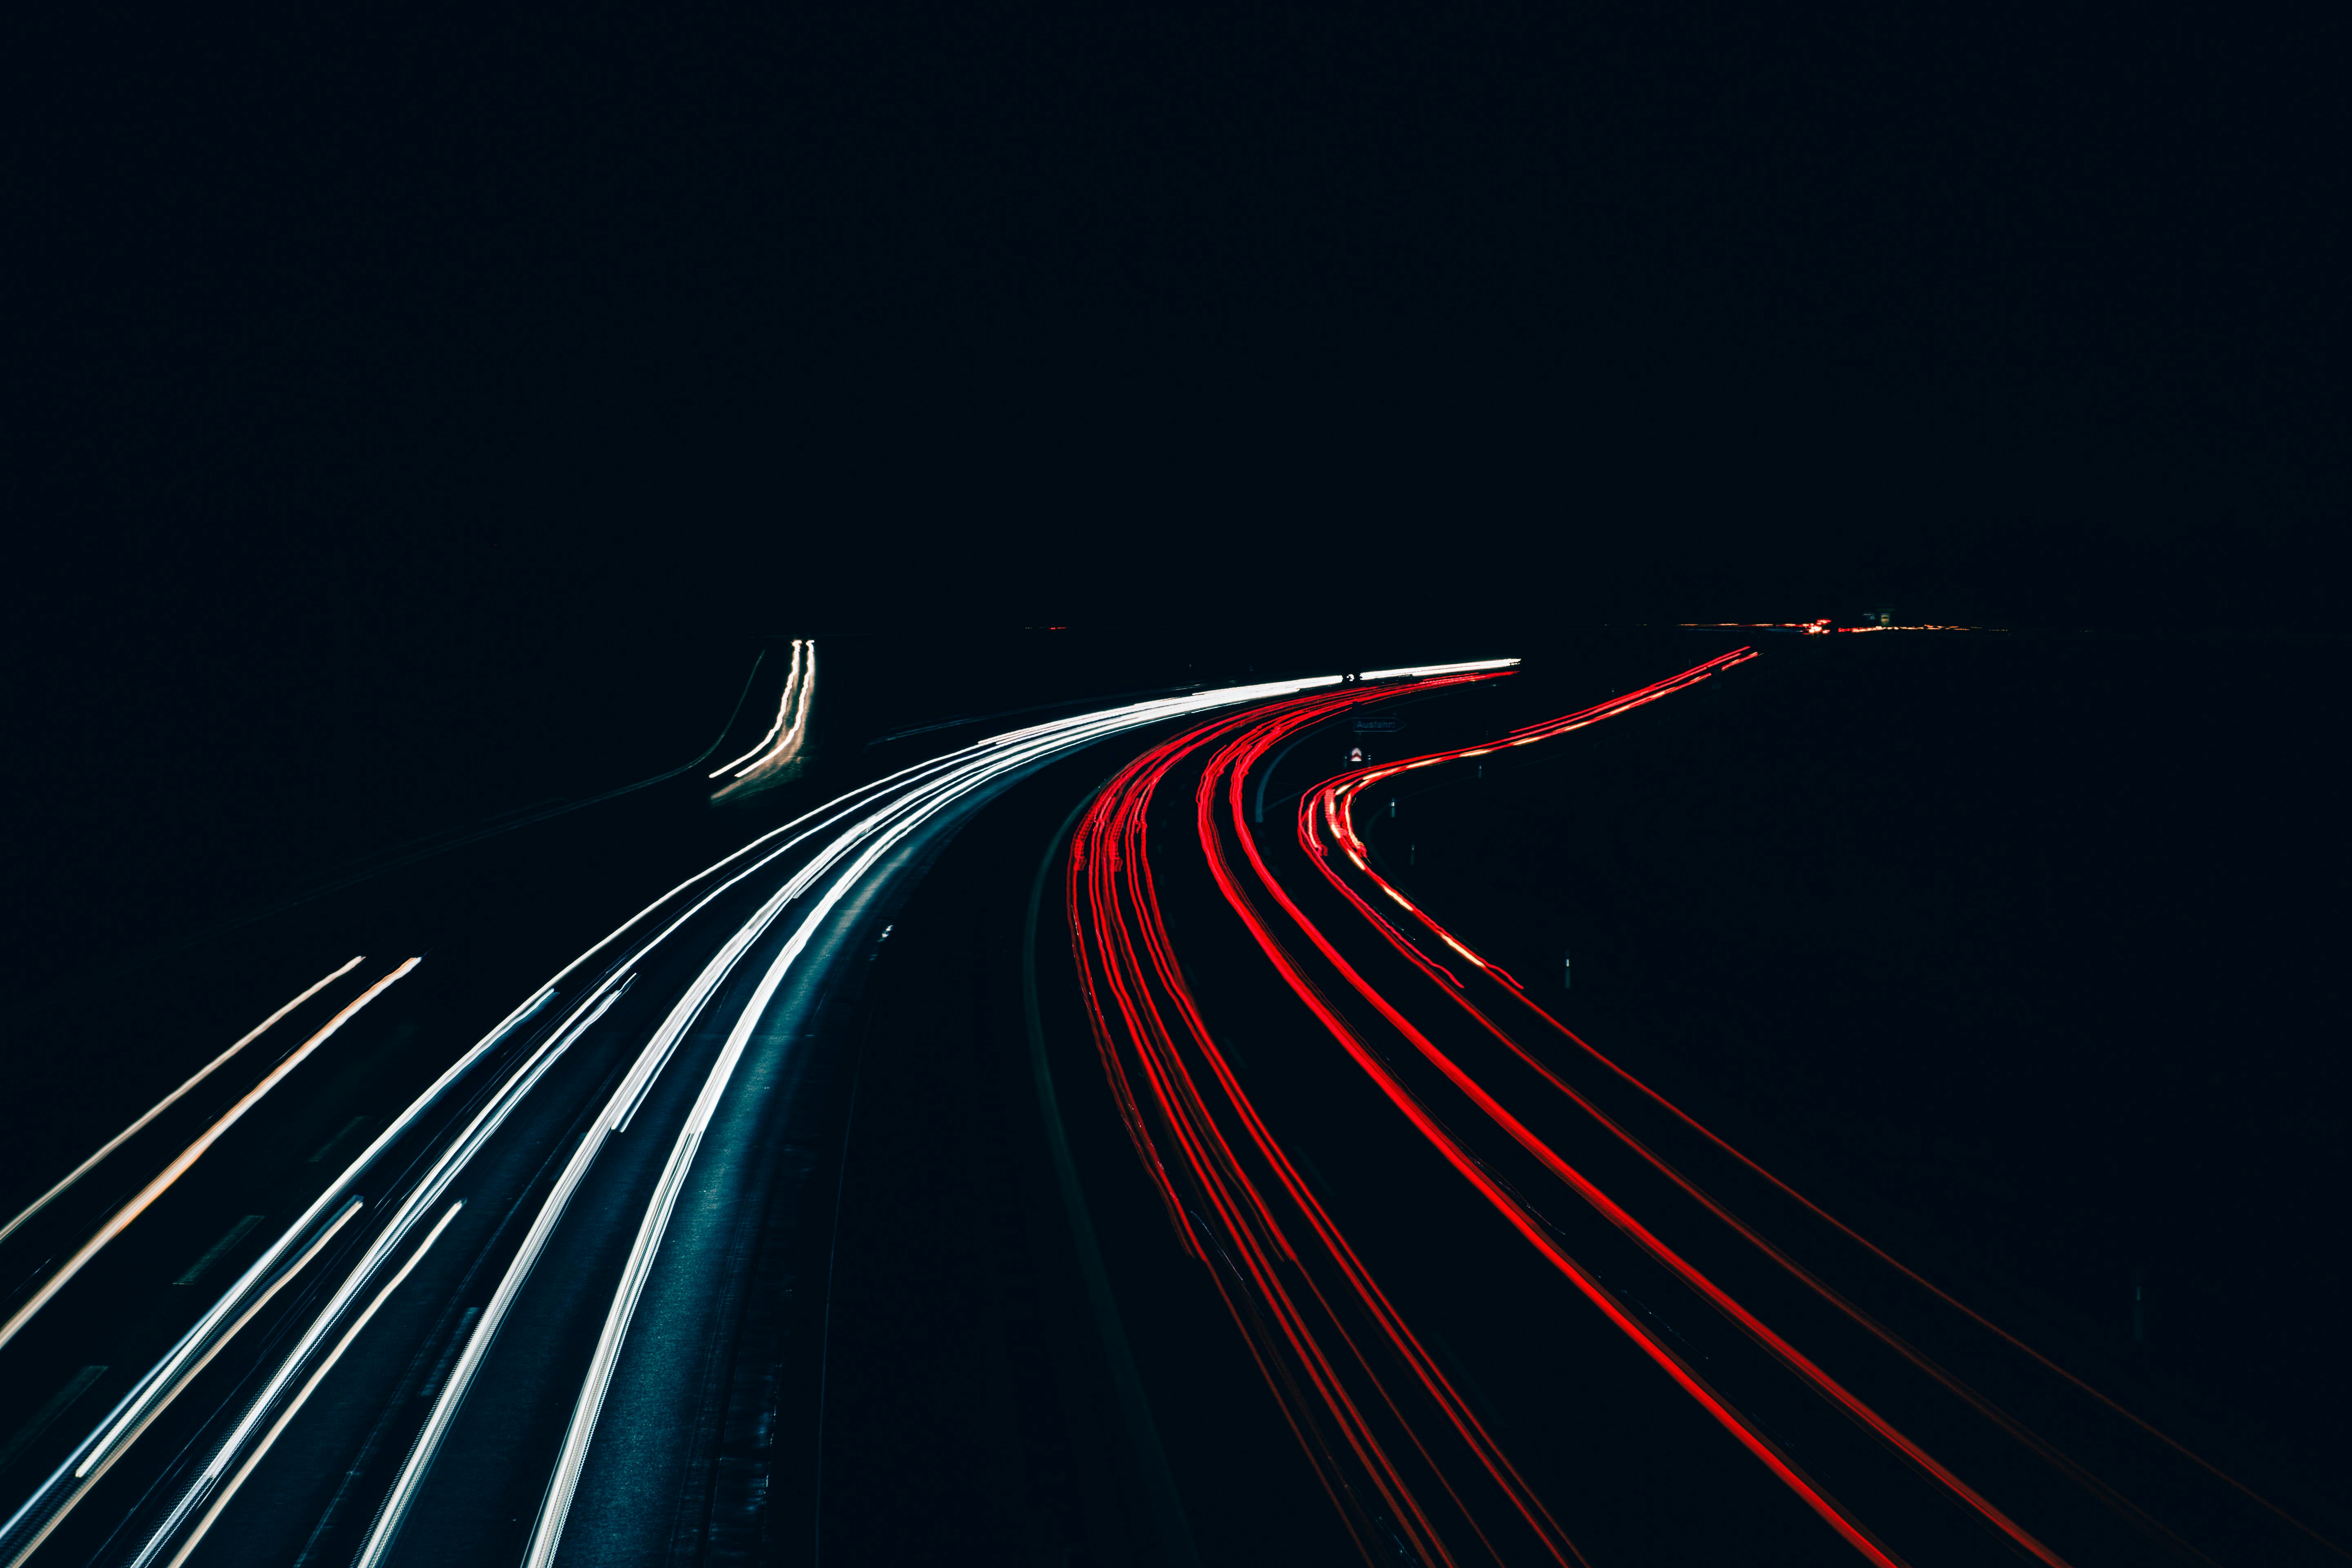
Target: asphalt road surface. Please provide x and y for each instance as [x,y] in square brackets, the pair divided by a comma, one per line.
[1148,1132]
[505,1321]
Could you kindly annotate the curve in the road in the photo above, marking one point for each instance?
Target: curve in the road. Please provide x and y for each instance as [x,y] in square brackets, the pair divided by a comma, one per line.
[849,853]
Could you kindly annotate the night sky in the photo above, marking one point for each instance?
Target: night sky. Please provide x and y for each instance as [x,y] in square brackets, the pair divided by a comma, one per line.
[449,325]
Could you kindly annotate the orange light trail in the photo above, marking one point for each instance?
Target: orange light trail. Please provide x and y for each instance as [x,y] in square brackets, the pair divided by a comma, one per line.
[161,1106]
[121,1220]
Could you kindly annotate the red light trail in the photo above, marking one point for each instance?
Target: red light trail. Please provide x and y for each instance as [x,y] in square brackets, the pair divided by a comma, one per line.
[1397,1449]
[1408,1465]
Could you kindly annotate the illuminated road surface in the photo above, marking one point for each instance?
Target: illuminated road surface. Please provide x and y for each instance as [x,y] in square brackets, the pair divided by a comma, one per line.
[504,1333]
[489,1330]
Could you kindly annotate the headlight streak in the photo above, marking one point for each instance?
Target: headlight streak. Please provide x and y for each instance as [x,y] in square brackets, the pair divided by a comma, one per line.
[1330,805]
[122,1217]
[1272,1286]
[880,833]
[42,1512]
[138,1412]
[426,1194]
[1230,766]
[57,1495]
[800,690]
[460,1382]
[120,1139]
[1425,670]
[228,1491]
[784,707]
[797,732]
[922,790]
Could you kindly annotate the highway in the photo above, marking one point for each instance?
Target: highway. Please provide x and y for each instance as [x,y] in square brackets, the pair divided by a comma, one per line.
[488,1337]
[1080,1144]
[1592,1171]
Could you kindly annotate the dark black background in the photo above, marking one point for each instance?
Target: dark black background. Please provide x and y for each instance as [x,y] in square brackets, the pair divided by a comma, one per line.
[640,316]
[411,398]
[417,415]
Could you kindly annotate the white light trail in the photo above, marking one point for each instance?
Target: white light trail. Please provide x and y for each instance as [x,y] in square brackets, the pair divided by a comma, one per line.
[895,807]
[990,759]
[783,709]
[188,1156]
[798,728]
[124,1423]
[66,1485]
[295,1405]
[120,1139]
[1421,669]
[427,1192]
[477,1344]
[148,1400]
[41,1512]
[791,726]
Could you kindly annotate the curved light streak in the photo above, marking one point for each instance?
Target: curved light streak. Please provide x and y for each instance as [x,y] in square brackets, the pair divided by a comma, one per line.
[1524,1218]
[427,1192]
[797,731]
[612,956]
[1293,1293]
[1332,805]
[294,1407]
[1421,671]
[120,1139]
[148,1400]
[66,1486]
[792,729]
[783,709]
[892,807]
[1515,1211]
[878,835]
[123,1216]
[64,1489]
[42,1513]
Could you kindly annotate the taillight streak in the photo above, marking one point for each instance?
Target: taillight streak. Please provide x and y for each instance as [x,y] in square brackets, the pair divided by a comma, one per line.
[1514,1211]
[1125,964]
[1230,766]
[1332,801]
